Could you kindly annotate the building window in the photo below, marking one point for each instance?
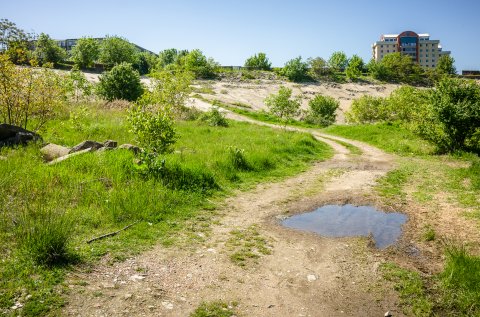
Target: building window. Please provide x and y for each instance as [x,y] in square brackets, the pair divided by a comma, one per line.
[388,51]
[421,50]
[426,61]
[381,51]
[426,55]
[381,45]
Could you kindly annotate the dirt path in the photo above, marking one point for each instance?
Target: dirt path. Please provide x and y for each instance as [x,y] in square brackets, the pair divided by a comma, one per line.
[304,274]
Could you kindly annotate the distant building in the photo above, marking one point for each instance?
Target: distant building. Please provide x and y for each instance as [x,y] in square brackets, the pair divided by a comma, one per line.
[419,47]
[68,44]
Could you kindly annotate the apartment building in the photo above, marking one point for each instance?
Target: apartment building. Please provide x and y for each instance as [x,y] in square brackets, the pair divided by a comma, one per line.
[419,47]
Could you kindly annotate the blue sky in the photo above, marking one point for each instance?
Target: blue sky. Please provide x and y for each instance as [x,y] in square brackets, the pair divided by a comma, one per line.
[231,31]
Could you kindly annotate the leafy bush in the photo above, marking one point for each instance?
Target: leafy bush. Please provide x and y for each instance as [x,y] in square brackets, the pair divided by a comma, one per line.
[338,61]
[115,50]
[321,110]
[168,89]
[45,236]
[199,65]
[153,127]
[445,65]
[258,61]
[456,106]
[355,67]
[47,50]
[282,106]
[295,70]
[85,52]
[368,109]
[215,118]
[318,68]
[28,97]
[122,82]
[397,67]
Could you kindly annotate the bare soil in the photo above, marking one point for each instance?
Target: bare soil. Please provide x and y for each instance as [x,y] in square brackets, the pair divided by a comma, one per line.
[305,274]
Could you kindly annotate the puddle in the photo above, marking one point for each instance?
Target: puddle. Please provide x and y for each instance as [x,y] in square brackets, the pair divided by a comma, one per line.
[351,221]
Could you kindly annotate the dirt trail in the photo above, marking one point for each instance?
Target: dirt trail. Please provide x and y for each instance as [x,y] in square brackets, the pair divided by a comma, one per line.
[305,274]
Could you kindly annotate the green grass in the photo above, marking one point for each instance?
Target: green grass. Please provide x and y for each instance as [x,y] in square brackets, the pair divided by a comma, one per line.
[460,283]
[96,193]
[388,137]
[410,287]
[215,309]
[246,246]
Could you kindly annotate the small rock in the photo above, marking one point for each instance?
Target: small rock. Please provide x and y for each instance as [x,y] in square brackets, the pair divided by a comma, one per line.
[137,277]
[110,144]
[167,305]
[63,158]
[93,145]
[311,278]
[14,135]
[151,307]
[211,250]
[16,306]
[52,151]
[271,306]
[127,296]
[108,285]
[388,314]
[135,149]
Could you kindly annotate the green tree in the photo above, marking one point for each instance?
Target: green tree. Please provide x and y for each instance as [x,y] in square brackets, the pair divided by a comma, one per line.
[282,105]
[199,65]
[145,62]
[322,110]
[121,82]
[258,61]
[456,106]
[85,52]
[318,67]
[295,69]
[402,68]
[169,57]
[28,97]
[355,67]
[115,50]
[338,61]
[445,65]
[15,42]
[47,50]
[377,70]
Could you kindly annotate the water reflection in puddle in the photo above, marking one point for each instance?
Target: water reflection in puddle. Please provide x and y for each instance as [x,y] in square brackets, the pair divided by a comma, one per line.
[351,221]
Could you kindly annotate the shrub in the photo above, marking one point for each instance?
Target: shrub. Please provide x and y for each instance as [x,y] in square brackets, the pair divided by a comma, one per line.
[368,109]
[122,82]
[47,50]
[318,68]
[258,61]
[85,52]
[322,110]
[115,50]
[45,236]
[355,67]
[215,118]
[338,61]
[295,70]
[199,65]
[153,127]
[28,96]
[282,106]
[456,106]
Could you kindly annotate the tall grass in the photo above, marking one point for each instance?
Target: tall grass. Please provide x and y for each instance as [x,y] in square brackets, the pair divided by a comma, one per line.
[460,282]
[48,212]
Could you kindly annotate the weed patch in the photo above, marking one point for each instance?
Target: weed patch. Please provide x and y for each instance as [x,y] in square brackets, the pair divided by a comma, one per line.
[247,246]
[215,309]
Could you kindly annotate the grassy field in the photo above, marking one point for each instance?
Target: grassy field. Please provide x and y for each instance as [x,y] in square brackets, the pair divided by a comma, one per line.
[420,176]
[42,207]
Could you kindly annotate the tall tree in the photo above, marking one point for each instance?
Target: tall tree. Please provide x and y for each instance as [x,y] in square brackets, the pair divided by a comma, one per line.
[355,67]
[445,65]
[85,52]
[115,50]
[338,61]
[47,50]
[15,42]
[258,61]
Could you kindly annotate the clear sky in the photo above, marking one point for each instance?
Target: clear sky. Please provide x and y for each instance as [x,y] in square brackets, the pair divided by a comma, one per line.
[230,31]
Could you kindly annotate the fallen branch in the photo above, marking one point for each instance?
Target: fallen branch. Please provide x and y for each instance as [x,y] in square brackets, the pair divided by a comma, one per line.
[111,233]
